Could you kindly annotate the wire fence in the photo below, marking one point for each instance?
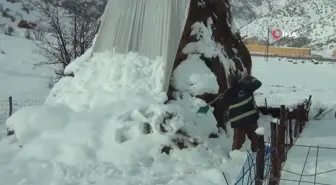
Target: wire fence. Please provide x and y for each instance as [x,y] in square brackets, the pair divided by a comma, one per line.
[297,177]
[249,175]
[256,168]
[10,106]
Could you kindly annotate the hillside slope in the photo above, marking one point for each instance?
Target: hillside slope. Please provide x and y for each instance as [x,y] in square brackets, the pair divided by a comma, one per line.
[14,11]
[313,20]
[18,77]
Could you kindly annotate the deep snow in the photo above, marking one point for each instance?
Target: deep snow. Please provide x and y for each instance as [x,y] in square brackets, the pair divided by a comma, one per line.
[18,77]
[288,83]
[91,128]
[90,131]
[320,157]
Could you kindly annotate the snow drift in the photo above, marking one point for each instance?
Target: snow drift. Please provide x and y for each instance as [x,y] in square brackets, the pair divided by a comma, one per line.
[116,112]
[113,112]
[111,101]
[150,27]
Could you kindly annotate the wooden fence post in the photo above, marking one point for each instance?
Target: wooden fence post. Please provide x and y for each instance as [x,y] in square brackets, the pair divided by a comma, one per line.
[297,122]
[303,116]
[299,118]
[290,130]
[10,101]
[307,108]
[10,106]
[260,159]
[274,176]
[281,135]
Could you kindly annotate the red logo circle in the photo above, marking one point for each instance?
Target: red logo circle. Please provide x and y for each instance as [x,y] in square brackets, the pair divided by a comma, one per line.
[277,34]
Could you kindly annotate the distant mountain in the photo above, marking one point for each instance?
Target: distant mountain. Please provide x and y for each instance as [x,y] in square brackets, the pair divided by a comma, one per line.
[15,14]
[313,21]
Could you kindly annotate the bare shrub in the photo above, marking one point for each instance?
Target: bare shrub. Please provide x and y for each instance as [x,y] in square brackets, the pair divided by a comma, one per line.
[38,34]
[72,26]
[320,110]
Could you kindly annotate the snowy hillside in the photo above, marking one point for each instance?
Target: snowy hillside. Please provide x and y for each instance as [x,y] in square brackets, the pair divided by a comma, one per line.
[314,20]
[14,11]
[19,52]
[19,16]
[18,77]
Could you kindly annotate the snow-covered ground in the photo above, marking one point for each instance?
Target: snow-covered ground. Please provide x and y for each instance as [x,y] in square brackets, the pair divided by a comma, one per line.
[105,126]
[290,82]
[91,129]
[324,53]
[321,158]
[18,77]
[287,83]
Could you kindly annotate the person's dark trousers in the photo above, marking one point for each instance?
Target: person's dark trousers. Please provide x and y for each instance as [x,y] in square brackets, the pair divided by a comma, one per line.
[247,129]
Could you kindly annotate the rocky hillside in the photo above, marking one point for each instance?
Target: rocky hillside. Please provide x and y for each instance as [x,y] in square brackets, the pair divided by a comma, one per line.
[16,14]
[313,21]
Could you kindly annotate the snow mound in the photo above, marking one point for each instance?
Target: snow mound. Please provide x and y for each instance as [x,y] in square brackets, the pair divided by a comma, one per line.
[112,114]
[275,120]
[260,131]
[18,76]
[99,81]
[194,77]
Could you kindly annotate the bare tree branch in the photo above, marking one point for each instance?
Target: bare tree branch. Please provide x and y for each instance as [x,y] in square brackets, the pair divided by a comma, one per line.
[72,26]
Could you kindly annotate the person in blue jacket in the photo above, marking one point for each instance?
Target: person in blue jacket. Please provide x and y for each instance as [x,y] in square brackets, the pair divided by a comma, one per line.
[243,113]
